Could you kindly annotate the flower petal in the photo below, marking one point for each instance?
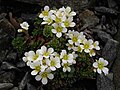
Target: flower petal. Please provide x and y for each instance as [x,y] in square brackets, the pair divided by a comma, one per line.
[34,72]
[44,81]
[59,35]
[99,71]
[50,76]
[38,77]
[95,64]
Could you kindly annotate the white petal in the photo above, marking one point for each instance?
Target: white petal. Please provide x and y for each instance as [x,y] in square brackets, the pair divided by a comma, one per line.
[72,13]
[43,49]
[70,41]
[59,35]
[72,24]
[50,76]
[55,25]
[64,69]
[90,41]
[64,30]
[53,17]
[50,50]
[97,48]
[54,31]
[38,77]
[53,68]
[44,22]
[95,64]
[44,81]
[105,63]
[41,15]
[31,53]
[68,9]
[46,8]
[62,24]
[105,70]
[99,71]
[87,50]
[24,59]
[69,69]
[34,72]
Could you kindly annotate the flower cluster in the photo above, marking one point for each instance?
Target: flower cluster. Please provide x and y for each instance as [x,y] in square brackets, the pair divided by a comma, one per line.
[44,61]
[79,43]
[60,19]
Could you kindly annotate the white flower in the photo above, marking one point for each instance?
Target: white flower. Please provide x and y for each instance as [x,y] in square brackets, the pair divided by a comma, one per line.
[100,64]
[74,37]
[58,18]
[47,20]
[66,67]
[37,68]
[66,57]
[44,13]
[87,45]
[68,22]
[68,11]
[24,26]
[44,75]
[78,48]
[74,57]
[58,30]
[46,52]
[92,53]
[32,56]
[54,63]
[70,46]
[96,45]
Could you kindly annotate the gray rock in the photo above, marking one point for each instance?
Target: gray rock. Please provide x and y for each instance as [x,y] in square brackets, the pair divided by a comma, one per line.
[3,55]
[21,64]
[102,35]
[104,83]
[6,86]
[7,77]
[12,56]
[2,15]
[31,87]
[88,18]
[28,17]
[14,88]
[7,32]
[24,81]
[106,10]
[8,66]
[109,51]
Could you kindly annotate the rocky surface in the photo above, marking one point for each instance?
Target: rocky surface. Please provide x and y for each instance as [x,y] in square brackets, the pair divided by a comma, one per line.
[98,20]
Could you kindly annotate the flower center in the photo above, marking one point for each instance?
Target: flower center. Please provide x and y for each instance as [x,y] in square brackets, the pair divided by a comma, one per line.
[49,20]
[86,46]
[44,62]
[59,29]
[79,49]
[65,57]
[45,13]
[66,65]
[37,68]
[74,39]
[58,20]
[44,74]
[67,23]
[91,51]
[100,65]
[52,63]
[35,57]
[46,54]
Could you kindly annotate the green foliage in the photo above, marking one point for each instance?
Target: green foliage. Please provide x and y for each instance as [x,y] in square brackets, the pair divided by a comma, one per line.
[36,32]
[18,43]
[47,31]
